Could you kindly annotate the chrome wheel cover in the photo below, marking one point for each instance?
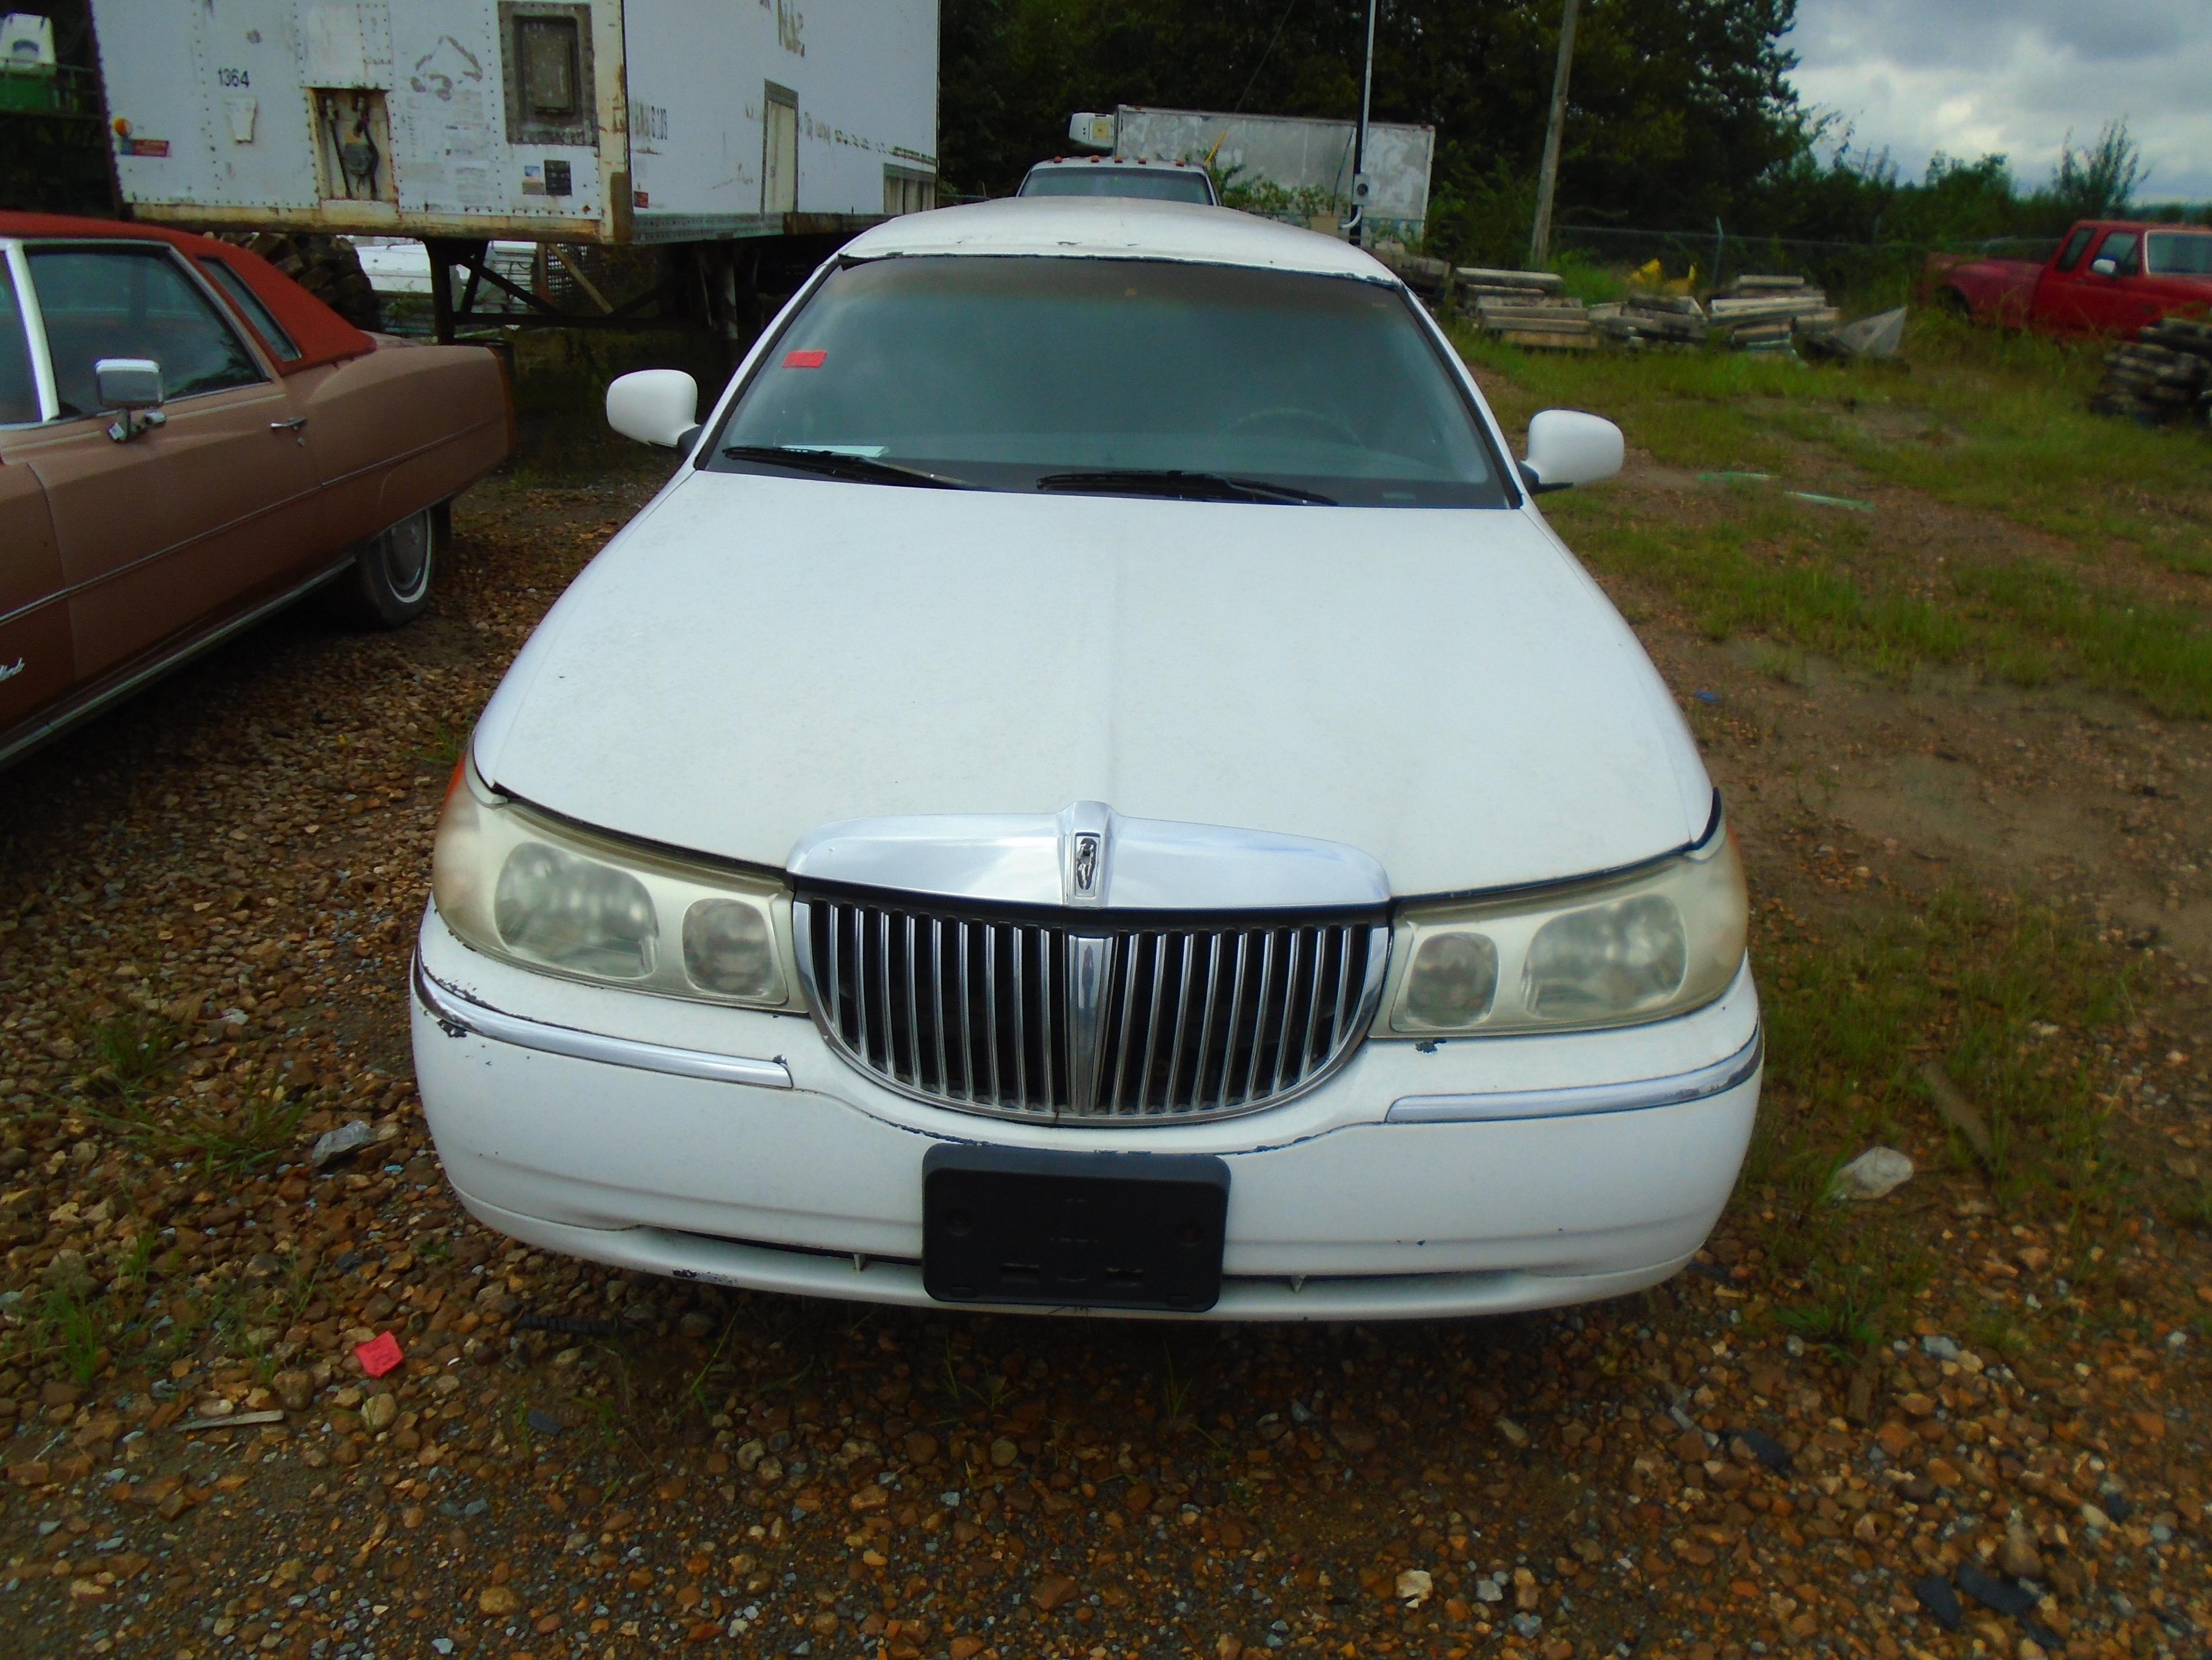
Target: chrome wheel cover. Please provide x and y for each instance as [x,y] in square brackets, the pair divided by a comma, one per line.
[406,549]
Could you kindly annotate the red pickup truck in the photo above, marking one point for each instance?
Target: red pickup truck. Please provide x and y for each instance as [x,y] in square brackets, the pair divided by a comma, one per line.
[2109,277]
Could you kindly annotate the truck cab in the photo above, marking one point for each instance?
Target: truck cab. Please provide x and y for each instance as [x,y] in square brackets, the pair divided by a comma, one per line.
[2106,277]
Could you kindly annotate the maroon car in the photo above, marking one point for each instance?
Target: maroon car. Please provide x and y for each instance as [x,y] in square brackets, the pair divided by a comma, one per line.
[189,439]
[2108,276]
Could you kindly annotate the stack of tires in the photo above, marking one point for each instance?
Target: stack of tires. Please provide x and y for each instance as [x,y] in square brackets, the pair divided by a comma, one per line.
[2162,378]
[327,267]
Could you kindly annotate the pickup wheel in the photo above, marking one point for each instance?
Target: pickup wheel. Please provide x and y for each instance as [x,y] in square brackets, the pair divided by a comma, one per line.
[390,582]
[1952,303]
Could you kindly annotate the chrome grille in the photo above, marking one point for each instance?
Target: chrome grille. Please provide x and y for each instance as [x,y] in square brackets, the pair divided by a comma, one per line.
[1092,1023]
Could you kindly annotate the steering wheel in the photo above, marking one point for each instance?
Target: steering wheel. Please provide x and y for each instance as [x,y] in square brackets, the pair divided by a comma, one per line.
[1286,414]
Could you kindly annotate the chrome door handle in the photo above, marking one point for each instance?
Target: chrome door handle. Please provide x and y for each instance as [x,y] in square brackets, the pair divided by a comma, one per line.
[293,425]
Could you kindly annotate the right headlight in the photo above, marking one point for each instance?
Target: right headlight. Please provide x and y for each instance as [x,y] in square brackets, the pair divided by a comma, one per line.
[1645,946]
[519,885]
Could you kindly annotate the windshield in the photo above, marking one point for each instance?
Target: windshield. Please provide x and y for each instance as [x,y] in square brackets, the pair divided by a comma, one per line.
[2173,255]
[1166,185]
[1019,374]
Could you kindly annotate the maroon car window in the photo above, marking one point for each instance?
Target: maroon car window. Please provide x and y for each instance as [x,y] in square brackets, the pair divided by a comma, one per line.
[132,302]
[19,392]
[226,278]
[2120,248]
[2180,254]
[2076,245]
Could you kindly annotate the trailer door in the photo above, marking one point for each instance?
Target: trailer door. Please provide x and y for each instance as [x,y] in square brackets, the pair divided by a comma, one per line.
[780,158]
[260,151]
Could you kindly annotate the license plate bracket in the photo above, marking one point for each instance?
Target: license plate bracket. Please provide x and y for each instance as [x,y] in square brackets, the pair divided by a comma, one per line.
[1074,1230]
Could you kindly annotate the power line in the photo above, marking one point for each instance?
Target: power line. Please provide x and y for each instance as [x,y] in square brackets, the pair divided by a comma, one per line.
[1280,24]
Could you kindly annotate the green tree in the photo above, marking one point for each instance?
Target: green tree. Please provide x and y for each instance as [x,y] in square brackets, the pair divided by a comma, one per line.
[2098,182]
[1680,106]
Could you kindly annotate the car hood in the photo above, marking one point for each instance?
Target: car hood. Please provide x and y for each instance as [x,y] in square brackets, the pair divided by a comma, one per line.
[755,657]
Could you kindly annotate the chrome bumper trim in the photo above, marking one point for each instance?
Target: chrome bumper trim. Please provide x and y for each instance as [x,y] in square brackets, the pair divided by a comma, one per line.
[460,1014]
[1716,1079]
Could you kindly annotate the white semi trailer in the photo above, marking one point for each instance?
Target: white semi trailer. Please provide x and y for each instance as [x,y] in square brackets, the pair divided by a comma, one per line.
[702,124]
[1298,167]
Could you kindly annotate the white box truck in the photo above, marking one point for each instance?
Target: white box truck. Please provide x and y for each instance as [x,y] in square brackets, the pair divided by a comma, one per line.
[1287,166]
[592,121]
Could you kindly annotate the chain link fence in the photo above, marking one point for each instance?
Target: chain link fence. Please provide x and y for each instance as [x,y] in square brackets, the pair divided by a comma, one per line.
[1868,269]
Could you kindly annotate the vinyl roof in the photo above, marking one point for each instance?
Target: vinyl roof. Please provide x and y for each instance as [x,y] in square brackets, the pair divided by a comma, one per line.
[1116,228]
[322,336]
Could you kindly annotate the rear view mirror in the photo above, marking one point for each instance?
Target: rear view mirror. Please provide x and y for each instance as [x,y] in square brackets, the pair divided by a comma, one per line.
[1566,447]
[2106,267]
[128,383]
[655,406]
[132,385]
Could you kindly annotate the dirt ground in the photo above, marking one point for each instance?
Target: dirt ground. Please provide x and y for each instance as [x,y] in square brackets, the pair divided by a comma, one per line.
[206,905]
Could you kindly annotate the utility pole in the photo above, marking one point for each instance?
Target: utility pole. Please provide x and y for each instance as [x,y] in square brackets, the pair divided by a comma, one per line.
[1356,227]
[1547,179]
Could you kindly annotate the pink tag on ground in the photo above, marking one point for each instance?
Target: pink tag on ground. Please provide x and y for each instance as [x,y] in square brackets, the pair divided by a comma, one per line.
[379,1355]
[805,360]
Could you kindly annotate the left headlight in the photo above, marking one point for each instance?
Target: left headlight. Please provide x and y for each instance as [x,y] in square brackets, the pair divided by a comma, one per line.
[519,885]
[1644,945]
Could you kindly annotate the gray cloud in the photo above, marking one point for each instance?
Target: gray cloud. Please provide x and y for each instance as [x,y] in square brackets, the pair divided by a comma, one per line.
[1970,76]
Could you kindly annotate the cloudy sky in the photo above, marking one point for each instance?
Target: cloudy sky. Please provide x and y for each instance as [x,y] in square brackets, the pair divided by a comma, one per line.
[1971,76]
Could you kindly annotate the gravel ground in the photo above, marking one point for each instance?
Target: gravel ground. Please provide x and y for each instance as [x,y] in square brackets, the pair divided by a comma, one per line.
[206,905]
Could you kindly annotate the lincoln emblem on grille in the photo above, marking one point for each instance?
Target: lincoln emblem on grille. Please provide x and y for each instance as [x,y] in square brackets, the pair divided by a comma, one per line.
[1086,854]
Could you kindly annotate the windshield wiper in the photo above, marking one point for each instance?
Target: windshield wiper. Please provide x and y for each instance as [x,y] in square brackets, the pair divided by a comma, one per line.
[837,464]
[1182,486]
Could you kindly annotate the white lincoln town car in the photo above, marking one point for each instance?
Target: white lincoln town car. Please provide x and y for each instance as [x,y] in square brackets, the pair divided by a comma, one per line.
[1095,789]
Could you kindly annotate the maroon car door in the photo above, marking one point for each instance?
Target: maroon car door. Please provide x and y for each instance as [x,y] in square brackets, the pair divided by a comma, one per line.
[2099,304]
[35,661]
[167,530]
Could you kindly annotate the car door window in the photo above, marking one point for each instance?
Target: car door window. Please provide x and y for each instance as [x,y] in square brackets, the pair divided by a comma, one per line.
[133,302]
[2077,247]
[19,391]
[2120,248]
[234,289]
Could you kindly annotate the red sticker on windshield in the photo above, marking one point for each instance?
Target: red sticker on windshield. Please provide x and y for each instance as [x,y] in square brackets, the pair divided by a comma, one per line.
[807,360]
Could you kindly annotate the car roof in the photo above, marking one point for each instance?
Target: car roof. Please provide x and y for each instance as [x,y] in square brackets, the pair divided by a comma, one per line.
[1116,228]
[322,336]
[1111,162]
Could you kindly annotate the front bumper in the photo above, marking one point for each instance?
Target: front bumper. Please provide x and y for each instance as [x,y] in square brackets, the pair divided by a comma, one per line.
[734,1147]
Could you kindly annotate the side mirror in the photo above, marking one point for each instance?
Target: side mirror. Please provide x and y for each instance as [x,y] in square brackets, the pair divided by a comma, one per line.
[1566,447]
[654,406]
[2106,267]
[128,383]
[132,385]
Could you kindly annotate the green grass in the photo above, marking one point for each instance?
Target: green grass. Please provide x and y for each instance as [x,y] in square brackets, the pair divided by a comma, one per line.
[75,1328]
[130,1050]
[131,1054]
[1801,576]
[1845,1311]
[260,1129]
[1993,425]
[441,749]
[1969,983]
[1970,417]
[1855,1014]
